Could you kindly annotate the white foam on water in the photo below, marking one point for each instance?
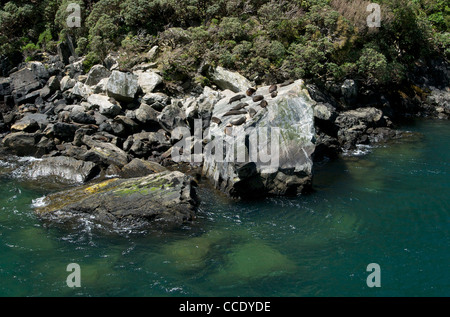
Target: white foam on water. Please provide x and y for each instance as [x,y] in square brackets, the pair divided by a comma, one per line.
[361,150]
[38,202]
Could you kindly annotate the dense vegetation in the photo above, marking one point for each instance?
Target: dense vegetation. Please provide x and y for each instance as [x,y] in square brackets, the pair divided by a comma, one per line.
[265,40]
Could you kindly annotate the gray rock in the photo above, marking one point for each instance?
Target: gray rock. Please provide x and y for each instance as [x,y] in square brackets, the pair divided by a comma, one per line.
[226,79]
[64,168]
[62,131]
[81,90]
[150,56]
[282,166]
[144,144]
[349,91]
[148,80]
[22,143]
[122,86]
[140,168]
[162,199]
[24,82]
[325,111]
[171,117]
[154,97]
[146,115]
[67,83]
[97,73]
[5,86]
[31,122]
[104,153]
[39,69]
[107,106]
[353,125]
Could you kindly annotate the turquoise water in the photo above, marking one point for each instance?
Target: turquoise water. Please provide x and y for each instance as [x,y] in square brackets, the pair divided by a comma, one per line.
[389,206]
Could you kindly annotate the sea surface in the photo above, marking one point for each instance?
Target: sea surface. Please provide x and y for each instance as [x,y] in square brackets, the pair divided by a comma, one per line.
[388,205]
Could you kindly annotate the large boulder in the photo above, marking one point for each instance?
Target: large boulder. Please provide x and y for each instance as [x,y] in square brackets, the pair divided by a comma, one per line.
[31,122]
[122,86]
[23,143]
[166,198]
[64,168]
[24,82]
[265,147]
[172,116]
[104,153]
[106,105]
[97,73]
[140,168]
[226,79]
[145,144]
[354,124]
[148,80]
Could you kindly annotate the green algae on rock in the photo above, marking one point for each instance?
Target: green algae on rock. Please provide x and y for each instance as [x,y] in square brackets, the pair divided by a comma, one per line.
[166,198]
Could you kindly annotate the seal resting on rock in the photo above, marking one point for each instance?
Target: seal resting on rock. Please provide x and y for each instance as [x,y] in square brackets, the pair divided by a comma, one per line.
[216,120]
[272,88]
[251,112]
[263,104]
[240,106]
[251,91]
[236,98]
[234,113]
[258,98]
[239,121]
[274,94]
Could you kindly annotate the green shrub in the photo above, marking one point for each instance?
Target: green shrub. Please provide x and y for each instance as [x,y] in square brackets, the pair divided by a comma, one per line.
[90,60]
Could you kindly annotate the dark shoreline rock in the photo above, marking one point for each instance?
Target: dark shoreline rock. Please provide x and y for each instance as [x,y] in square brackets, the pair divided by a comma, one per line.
[166,198]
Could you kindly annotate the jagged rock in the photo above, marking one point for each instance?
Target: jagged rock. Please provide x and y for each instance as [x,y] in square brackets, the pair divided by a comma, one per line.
[226,79]
[349,91]
[107,106]
[81,90]
[140,168]
[151,54]
[282,166]
[82,118]
[122,86]
[31,122]
[65,50]
[144,144]
[128,123]
[24,82]
[67,83]
[146,115]
[104,153]
[64,168]
[155,97]
[171,117]
[38,69]
[353,124]
[100,88]
[97,73]
[5,86]
[22,143]
[62,131]
[201,107]
[166,198]
[148,80]
[111,61]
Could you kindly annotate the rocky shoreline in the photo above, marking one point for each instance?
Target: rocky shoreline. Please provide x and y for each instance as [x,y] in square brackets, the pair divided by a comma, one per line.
[122,125]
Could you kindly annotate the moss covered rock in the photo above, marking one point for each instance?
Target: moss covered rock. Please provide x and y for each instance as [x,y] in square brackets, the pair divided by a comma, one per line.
[166,198]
